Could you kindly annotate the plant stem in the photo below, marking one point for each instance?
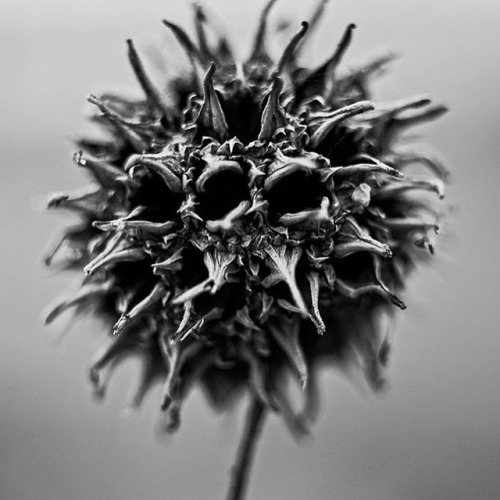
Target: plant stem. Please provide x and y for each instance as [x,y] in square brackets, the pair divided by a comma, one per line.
[240,471]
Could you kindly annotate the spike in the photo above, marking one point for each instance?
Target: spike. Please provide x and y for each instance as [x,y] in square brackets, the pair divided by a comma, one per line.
[362,241]
[211,118]
[354,293]
[154,228]
[341,49]
[317,14]
[295,423]
[163,170]
[367,70]
[243,317]
[77,235]
[147,378]
[111,354]
[219,269]
[192,52]
[408,224]
[107,175]
[197,324]
[124,255]
[199,20]
[337,117]
[91,202]
[122,126]
[393,189]
[377,267]
[357,169]
[267,302]
[273,116]
[176,358]
[257,376]
[343,250]
[183,387]
[171,263]
[283,263]
[152,93]
[193,292]
[86,293]
[151,370]
[157,293]
[310,412]
[319,77]
[291,47]
[170,351]
[423,116]
[162,157]
[287,336]
[188,313]
[374,348]
[429,158]
[259,52]
[391,109]
[313,278]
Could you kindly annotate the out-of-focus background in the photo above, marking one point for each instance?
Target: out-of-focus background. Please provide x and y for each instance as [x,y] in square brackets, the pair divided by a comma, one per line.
[434,435]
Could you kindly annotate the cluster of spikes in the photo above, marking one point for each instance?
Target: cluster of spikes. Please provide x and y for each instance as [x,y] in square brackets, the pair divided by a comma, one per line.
[247,221]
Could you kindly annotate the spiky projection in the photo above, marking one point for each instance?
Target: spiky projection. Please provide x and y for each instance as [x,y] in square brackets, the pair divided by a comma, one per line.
[247,222]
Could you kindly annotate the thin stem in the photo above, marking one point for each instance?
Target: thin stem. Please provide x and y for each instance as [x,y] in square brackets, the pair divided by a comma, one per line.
[240,471]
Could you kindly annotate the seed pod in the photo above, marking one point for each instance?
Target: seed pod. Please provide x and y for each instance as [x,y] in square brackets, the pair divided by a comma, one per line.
[257,226]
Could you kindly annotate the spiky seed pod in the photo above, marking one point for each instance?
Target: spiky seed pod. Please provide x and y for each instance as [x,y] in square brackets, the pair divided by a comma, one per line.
[250,228]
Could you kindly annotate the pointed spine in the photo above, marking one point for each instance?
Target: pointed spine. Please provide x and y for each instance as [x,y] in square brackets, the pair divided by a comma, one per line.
[211,117]
[199,22]
[273,116]
[107,175]
[156,294]
[89,292]
[171,180]
[150,90]
[182,37]
[124,128]
[338,116]
[259,52]
[284,262]
[317,15]
[125,255]
[291,47]
[287,337]
[153,228]
[314,284]
[393,189]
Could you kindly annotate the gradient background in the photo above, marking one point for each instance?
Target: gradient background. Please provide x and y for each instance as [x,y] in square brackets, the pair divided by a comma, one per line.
[434,435]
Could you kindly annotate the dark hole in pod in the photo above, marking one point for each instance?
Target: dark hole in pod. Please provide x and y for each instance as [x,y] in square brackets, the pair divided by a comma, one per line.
[160,202]
[242,115]
[295,193]
[222,192]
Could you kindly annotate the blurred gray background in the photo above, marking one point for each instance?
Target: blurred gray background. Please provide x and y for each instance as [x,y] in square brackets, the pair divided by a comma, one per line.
[434,435]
